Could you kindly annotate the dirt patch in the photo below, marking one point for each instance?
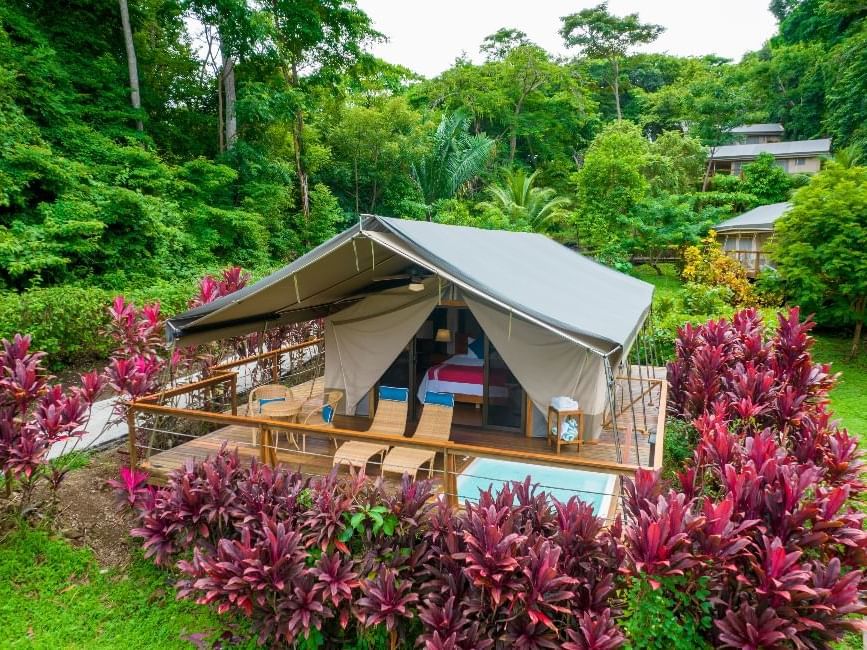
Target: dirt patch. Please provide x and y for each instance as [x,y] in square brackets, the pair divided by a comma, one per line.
[88,512]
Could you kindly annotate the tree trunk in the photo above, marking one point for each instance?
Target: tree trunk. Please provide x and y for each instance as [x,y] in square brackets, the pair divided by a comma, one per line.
[706,179]
[220,136]
[297,145]
[228,75]
[357,197]
[860,305]
[615,84]
[131,62]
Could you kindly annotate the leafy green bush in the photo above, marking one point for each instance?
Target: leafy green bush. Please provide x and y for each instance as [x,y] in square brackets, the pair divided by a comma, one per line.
[63,321]
[680,441]
[700,299]
[676,615]
[769,288]
[67,321]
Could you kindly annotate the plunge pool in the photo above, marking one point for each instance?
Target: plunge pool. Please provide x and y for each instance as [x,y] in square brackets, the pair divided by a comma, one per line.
[594,488]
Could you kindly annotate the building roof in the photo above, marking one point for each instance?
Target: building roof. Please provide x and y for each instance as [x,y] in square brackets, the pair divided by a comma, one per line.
[524,274]
[758,129]
[793,149]
[760,218]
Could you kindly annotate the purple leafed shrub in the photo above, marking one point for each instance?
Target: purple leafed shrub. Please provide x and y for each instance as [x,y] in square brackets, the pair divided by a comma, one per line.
[327,557]
[35,415]
[764,513]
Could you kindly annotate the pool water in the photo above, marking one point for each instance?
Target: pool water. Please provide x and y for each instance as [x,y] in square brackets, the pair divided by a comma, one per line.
[591,487]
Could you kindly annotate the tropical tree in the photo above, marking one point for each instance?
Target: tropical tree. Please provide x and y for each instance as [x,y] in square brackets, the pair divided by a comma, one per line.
[600,34]
[610,184]
[766,180]
[523,203]
[318,38]
[820,246]
[454,157]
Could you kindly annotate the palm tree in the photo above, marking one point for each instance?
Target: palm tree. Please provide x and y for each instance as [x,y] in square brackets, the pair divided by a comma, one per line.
[455,157]
[519,200]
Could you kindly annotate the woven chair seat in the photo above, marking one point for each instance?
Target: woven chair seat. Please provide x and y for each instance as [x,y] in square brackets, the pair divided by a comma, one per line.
[357,453]
[408,460]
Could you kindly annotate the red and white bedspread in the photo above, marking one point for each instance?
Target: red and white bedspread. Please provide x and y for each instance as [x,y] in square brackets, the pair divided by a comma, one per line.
[463,375]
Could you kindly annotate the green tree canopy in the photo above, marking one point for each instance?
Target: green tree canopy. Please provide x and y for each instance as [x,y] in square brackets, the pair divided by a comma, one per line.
[602,35]
[820,247]
[518,197]
[610,184]
[454,156]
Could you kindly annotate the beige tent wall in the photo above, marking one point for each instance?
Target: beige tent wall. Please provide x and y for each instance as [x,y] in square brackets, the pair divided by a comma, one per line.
[363,340]
[546,364]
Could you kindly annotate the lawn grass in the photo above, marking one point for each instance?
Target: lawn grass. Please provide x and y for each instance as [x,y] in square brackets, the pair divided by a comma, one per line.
[53,595]
[849,397]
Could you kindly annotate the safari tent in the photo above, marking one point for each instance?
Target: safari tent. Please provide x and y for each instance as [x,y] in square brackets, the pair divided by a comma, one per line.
[505,321]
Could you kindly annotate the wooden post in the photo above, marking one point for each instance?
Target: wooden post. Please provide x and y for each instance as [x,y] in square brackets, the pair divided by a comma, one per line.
[275,368]
[130,425]
[233,392]
[450,478]
[263,434]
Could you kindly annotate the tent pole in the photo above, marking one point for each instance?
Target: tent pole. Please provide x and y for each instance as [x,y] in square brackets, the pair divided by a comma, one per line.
[632,410]
[609,377]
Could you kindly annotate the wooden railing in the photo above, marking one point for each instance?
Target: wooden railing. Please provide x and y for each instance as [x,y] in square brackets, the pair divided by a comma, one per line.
[751,260]
[213,403]
[453,454]
[274,357]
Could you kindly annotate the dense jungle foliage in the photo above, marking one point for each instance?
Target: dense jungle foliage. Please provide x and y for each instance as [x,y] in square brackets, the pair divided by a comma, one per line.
[261,129]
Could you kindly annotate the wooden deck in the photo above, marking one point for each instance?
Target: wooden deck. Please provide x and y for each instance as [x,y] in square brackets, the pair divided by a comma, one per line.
[635,449]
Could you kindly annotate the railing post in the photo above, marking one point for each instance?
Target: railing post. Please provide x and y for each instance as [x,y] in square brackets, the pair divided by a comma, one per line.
[275,368]
[130,425]
[233,391]
[450,479]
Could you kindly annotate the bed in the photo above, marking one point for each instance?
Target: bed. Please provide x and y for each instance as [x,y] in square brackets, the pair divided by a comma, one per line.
[463,376]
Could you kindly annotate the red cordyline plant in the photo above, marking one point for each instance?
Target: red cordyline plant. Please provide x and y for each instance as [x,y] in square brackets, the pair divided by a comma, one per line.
[34,416]
[764,510]
[324,559]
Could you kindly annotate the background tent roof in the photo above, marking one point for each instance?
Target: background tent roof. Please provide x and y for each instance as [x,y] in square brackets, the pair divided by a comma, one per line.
[752,129]
[790,149]
[760,218]
[524,273]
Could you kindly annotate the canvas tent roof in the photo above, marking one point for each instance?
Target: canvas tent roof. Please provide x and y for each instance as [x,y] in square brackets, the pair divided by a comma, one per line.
[526,274]
[760,218]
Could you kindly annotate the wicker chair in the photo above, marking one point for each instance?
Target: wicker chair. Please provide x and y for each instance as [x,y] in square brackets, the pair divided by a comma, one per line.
[390,418]
[267,391]
[332,398]
[435,425]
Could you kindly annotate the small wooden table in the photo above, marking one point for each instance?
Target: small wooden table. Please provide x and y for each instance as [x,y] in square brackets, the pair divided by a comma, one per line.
[556,419]
[284,410]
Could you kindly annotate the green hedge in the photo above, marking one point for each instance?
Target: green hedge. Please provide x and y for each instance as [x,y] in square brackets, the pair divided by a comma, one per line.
[68,322]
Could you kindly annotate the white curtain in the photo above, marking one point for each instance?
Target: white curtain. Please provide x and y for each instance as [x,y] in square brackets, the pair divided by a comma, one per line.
[363,340]
[546,364]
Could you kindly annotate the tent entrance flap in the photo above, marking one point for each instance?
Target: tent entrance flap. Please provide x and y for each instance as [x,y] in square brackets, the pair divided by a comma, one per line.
[363,340]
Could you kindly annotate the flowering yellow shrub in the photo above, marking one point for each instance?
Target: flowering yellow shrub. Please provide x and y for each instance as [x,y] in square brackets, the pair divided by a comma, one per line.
[707,264]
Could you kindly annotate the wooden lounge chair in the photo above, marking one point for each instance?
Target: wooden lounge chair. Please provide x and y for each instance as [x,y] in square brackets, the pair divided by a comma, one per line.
[390,418]
[435,425]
